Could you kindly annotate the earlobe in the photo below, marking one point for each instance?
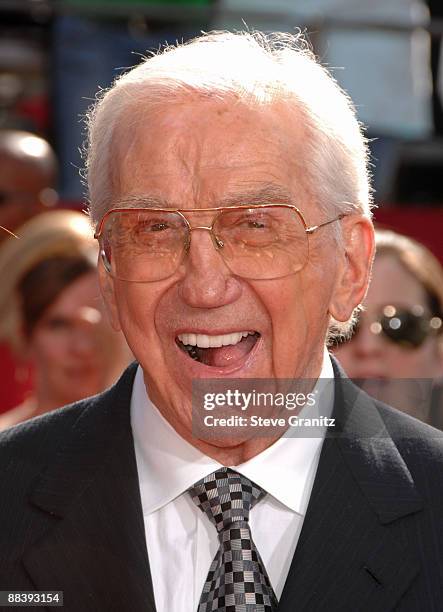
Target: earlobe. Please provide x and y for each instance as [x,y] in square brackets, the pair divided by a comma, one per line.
[108,293]
[355,267]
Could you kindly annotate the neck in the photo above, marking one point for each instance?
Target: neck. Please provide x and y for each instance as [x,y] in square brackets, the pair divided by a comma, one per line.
[235,454]
[45,401]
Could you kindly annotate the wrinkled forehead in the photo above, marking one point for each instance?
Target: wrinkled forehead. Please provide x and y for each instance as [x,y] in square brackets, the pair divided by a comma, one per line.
[210,152]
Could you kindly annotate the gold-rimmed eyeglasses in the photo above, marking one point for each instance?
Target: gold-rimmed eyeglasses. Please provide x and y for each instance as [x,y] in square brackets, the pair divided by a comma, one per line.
[260,242]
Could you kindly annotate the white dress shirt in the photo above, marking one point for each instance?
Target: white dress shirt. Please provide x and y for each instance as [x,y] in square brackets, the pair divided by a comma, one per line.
[181,540]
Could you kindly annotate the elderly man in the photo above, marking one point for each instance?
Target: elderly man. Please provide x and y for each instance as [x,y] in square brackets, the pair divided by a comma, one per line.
[229,189]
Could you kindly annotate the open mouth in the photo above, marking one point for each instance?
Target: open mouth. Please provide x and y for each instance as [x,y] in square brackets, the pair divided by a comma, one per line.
[220,350]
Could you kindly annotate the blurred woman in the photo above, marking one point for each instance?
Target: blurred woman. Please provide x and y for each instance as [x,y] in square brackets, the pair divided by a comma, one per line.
[51,313]
[396,351]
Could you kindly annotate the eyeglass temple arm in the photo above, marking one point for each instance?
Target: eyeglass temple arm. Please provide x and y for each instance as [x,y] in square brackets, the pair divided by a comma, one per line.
[8,231]
[314,228]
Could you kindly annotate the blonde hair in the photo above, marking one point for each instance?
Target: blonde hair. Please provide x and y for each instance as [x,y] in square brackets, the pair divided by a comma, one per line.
[61,233]
[417,260]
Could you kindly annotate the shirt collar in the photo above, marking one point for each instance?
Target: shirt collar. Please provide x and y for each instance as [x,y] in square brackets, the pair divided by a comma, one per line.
[168,465]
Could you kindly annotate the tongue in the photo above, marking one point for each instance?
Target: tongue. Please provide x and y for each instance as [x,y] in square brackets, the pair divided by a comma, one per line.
[224,355]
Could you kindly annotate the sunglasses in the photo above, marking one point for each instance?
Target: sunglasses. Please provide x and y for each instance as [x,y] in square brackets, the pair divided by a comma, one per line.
[408,327]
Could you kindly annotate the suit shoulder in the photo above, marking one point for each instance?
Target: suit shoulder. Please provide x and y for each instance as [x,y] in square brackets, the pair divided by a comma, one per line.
[420,445]
[38,436]
[57,424]
[409,434]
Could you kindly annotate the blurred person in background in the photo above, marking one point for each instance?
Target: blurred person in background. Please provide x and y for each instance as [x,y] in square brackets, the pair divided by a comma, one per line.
[28,169]
[396,351]
[28,172]
[50,313]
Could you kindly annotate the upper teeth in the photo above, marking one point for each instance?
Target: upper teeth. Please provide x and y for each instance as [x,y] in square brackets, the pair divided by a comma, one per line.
[205,341]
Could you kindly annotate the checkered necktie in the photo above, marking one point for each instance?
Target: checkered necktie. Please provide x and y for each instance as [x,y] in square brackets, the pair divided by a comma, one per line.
[237,580]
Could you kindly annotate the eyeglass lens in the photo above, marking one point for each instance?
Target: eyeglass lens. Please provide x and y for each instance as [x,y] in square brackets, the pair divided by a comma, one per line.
[148,245]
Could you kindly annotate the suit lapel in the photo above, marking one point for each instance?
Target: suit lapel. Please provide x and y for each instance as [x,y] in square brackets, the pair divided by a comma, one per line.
[95,551]
[353,553]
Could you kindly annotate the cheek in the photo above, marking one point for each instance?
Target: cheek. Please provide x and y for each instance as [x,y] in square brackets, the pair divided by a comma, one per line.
[399,362]
[137,306]
[297,323]
[286,311]
[302,304]
[45,349]
[105,341]
[420,363]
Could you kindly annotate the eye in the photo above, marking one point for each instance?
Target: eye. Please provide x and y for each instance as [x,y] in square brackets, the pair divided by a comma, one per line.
[159,227]
[256,224]
[145,228]
[245,220]
[57,324]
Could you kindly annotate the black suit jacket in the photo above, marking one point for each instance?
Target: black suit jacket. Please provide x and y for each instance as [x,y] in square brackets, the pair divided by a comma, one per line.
[372,539]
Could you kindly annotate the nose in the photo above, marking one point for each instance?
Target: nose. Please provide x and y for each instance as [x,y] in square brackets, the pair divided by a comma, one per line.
[206,280]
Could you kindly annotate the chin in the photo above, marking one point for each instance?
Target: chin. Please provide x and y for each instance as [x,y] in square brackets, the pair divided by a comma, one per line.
[228,442]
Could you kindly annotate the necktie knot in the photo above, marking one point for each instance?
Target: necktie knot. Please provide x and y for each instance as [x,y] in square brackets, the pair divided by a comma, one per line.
[226,497]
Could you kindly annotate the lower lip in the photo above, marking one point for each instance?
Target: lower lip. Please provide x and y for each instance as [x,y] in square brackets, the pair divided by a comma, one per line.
[201,370]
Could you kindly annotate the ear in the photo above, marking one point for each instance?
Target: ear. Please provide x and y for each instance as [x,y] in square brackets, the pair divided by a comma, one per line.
[354,266]
[108,293]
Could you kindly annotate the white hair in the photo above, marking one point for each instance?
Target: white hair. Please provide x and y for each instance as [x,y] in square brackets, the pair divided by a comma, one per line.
[257,69]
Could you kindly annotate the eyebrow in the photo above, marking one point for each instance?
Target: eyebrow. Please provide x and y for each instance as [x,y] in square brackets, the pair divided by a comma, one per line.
[142,201]
[269,193]
[263,194]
